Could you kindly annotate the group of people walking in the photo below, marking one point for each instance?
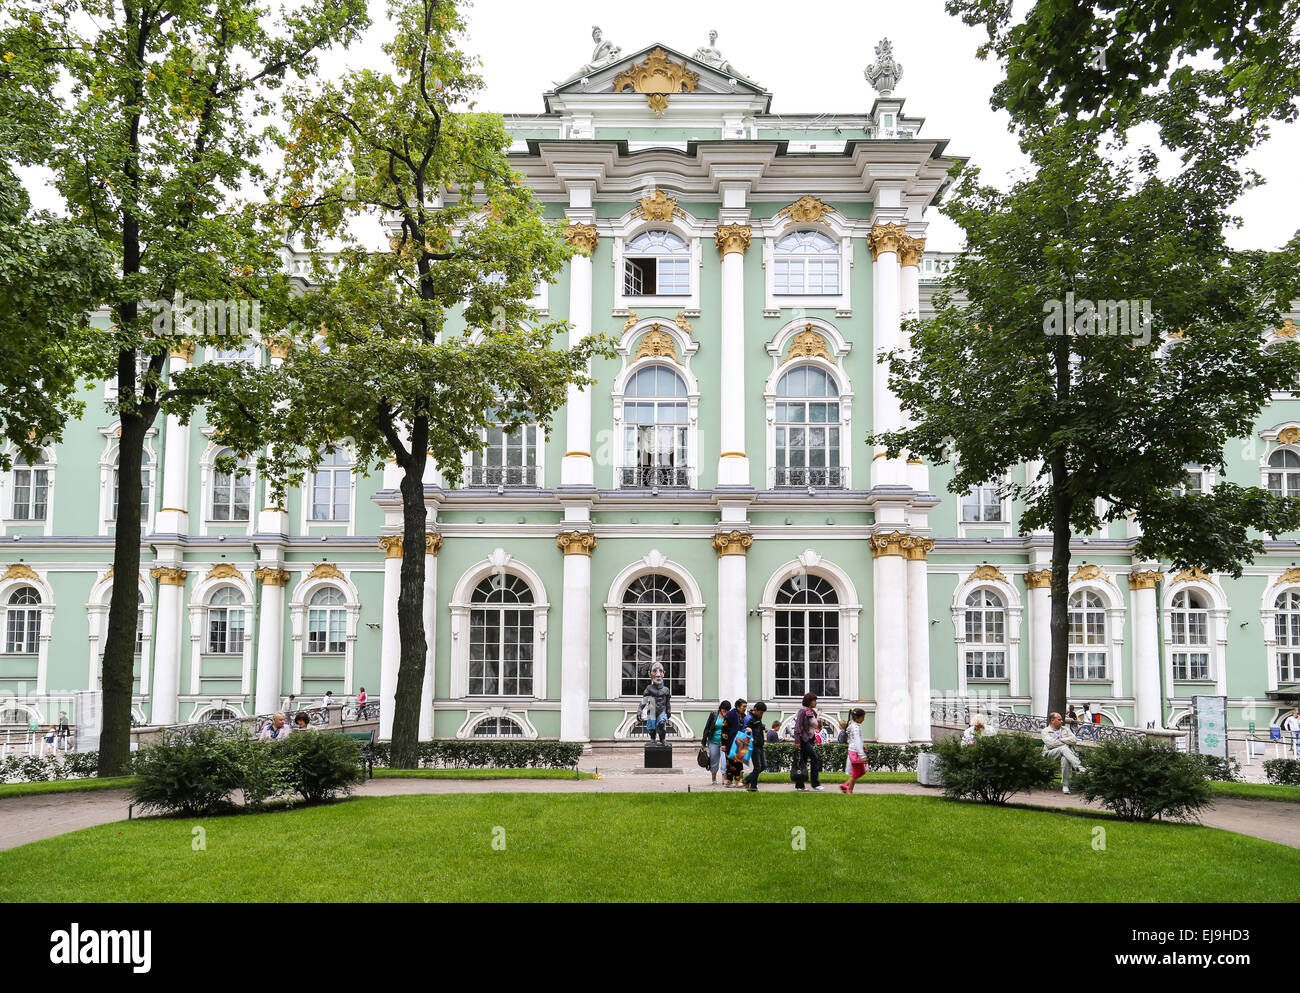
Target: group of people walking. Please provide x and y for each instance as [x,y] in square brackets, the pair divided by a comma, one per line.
[734,738]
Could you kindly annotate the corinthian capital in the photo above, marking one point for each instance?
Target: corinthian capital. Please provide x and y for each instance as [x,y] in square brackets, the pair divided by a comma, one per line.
[733,238]
[584,236]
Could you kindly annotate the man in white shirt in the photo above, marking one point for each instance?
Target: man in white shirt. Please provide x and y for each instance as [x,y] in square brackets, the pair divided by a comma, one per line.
[1056,744]
[978,729]
[1291,725]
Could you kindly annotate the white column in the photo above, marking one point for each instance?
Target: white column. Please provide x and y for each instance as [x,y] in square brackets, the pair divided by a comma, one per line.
[575,635]
[274,519]
[733,462]
[390,645]
[885,241]
[918,638]
[432,543]
[270,640]
[733,614]
[1039,584]
[576,468]
[889,600]
[1146,653]
[167,645]
[173,517]
[909,260]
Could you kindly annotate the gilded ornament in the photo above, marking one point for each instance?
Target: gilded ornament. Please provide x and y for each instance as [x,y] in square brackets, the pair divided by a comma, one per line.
[1289,436]
[184,350]
[806,210]
[910,251]
[1290,576]
[919,549]
[681,321]
[733,238]
[988,572]
[1288,329]
[432,543]
[657,77]
[583,236]
[1192,576]
[20,571]
[1144,580]
[576,542]
[808,344]
[631,321]
[224,570]
[325,571]
[1040,579]
[894,543]
[1089,572]
[272,577]
[169,577]
[279,348]
[732,543]
[391,544]
[659,206]
[885,238]
[657,343]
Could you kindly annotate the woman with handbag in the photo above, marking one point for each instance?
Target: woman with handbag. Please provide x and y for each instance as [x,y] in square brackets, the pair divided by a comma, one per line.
[712,739]
[805,736]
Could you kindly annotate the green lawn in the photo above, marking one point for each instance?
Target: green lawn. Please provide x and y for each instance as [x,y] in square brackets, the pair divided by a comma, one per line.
[480,774]
[597,846]
[1257,791]
[64,786]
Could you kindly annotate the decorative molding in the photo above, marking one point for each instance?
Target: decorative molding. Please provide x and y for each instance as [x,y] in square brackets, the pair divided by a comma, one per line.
[1144,580]
[576,542]
[432,543]
[1191,576]
[885,238]
[1288,329]
[657,343]
[1040,579]
[659,206]
[808,344]
[20,571]
[584,236]
[894,543]
[657,77]
[921,547]
[910,251]
[272,577]
[988,572]
[806,210]
[391,545]
[630,323]
[732,543]
[681,321]
[223,570]
[325,571]
[169,577]
[279,348]
[733,238]
[1289,435]
[1086,572]
[185,350]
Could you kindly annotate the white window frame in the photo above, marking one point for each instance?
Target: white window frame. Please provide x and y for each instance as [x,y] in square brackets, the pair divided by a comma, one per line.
[778,256]
[1274,587]
[654,563]
[300,605]
[1000,528]
[207,486]
[307,493]
[1217,601]
[611,453]
[520,607]
[38,579]
[329,609]
[681,260]
[107,469]
[97,613]
[773,230]
[8,491]
[1113,605]
[539,466]
[632,224]
[479,715]
[198,611]
[1014,607]
[460,607]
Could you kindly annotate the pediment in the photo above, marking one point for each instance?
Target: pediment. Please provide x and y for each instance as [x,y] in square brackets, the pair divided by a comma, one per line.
[657,65]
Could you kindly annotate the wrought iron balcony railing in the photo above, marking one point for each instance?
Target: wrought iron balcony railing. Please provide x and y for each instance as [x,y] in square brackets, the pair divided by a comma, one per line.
[952,712]
[501,475]
[646,476]
[823,477]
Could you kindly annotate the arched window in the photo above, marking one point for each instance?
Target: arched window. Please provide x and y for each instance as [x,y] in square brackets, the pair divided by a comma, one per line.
[1284,473]
[1189,626]
[331,487]
[23,621]
[807,263]
[986,637]
[1087,636]
[501,638]
[327,622]
[1286,628]
[145,476]
[655,429]
[498,727]
[807,638]
[31,486]
[226,622]
[510,459]
[657,263]
[231,493]
[808,429]
[654,630]
[983,504]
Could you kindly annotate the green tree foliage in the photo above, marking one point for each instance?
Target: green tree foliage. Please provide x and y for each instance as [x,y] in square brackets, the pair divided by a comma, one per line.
[151,116]
[1140,779]
[407,354]
[995,380]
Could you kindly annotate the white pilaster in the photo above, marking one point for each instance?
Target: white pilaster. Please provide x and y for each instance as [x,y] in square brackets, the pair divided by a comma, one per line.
[173,517]
[918,638]
[167,646]
[733,604]
[575,635]
[1038,582]
[885,241]
[1148,707]
[894,715]
[577,467]
[432,544]
[270,640]
[733,461]
[390,645]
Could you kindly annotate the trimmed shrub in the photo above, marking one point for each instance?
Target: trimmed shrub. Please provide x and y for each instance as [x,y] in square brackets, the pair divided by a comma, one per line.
[474,753]
[318,765]
[195,775]
[1284,772]
[1223,770]
[893,758]
[1140,779]
[995,768]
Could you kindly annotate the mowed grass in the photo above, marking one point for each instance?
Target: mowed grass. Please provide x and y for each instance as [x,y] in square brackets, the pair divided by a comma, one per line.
[65,786]
[610,847]
[476,774]
[1257,791]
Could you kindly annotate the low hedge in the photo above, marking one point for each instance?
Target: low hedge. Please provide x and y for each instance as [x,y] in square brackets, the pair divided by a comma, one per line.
[50,768]
[880,758]
[1219,769]
[490,754]
[1140,779]
[1283,772]
[995,768]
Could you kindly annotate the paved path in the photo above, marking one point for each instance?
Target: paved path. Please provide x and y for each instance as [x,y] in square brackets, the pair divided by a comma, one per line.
[32,818]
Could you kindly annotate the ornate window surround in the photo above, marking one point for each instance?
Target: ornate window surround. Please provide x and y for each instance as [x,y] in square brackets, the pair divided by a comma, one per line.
[207,480]
[1218,611]
[496,712]
[981,578]
[811,563]
[623,229]
[1113,602]
[307,496]
[1276,583]
[97,614]
[833,224]
[1276,439]
[1003,526]
[499,562]
[686,346]
[107,468]
[215,578]
[50,454]
[654,562]
[17,577]
[539,454]
[839,347]
[312,582]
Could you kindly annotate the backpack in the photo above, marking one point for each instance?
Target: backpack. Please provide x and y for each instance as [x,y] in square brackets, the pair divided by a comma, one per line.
[843,739]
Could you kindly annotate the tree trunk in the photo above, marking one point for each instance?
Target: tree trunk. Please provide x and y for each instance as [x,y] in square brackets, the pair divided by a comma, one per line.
[1061,505]
[410,607]
[124,607]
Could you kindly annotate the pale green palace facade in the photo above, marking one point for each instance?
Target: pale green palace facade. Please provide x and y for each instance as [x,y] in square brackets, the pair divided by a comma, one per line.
[710,503]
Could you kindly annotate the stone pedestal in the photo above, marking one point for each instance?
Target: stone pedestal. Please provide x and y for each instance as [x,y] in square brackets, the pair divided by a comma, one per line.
[658,756]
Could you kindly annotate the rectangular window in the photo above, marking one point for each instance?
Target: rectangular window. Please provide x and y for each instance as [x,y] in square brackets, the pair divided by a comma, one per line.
[330,492]
[22,632]
[1191,665]
[225,632]
[30,489]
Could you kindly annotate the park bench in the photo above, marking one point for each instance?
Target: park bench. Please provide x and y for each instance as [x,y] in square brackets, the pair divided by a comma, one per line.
[367,739]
